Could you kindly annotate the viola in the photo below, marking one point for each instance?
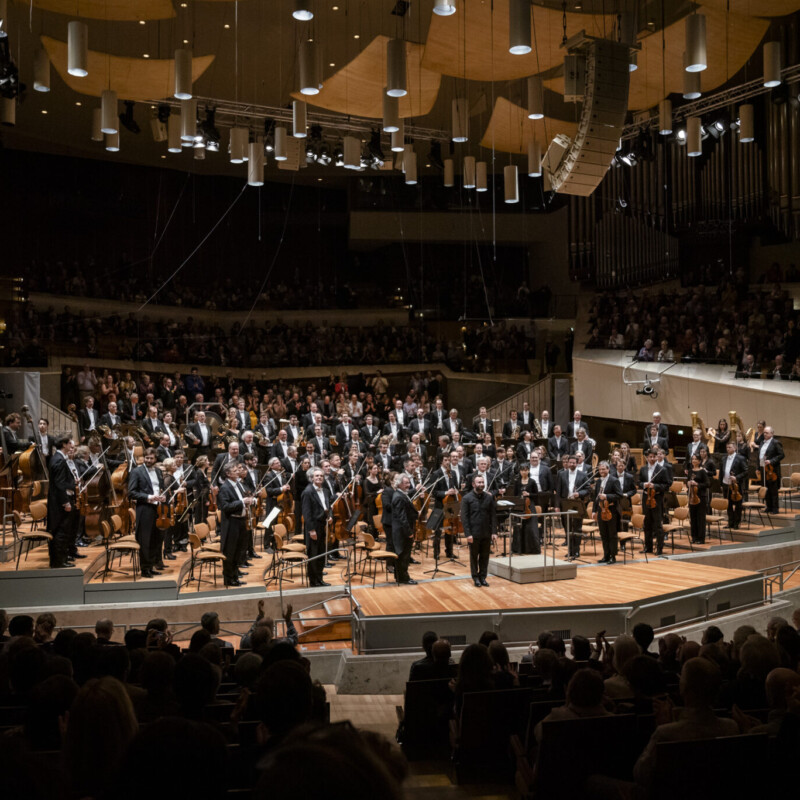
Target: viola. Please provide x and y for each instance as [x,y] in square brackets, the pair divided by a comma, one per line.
[286,514]
[212,501]
[736,494]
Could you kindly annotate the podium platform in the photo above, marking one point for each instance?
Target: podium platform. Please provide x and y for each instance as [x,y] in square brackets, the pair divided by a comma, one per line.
[532,569]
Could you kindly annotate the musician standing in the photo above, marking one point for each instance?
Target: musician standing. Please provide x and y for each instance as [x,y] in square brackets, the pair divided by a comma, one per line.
[770,453]
[652,476]
[404,519]
[697,482]
[445,485]
[525,539]
[479,518]
[233,506]
[734,467]
[62,509]
[573,484]
[607,490]
[146,487]
[316,506]
[200,487]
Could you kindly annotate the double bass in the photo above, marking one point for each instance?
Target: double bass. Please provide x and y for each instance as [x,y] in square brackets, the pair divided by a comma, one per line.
[32,472]
[285,501]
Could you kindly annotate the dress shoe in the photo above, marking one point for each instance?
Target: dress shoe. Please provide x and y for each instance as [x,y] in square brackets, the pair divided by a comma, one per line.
[69,563]
[413,561]
[611,560]
[79,555]
[323,583]
[329,564]
[602,561]
[660,554]
[170,557]
[484,582]
[246,564]
[233,583]
[477,583]
[83,543]
[251,554]
[146,573]
[242,573]
[161,566]
[409,582]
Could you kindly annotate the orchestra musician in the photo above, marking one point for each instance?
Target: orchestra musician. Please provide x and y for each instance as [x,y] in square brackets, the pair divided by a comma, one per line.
[88,419]
[42,439]
[146,488]
[222,460]
[652,476]
[545,426]
[525,539]
[233,507]
[438,415]
[663,430]
[513,428]
[576,424]
[697,484]
[483,424]
[734,468]
[420,425]
[525,447]
[445,484]
[386,509]
[251,484]
[528,420]
[370,431]
[316,507]
[653,439]
[607,493]
[453,424]
[479,518]
[770,454]
[199,434]
[62,509]
[557,445]
[163,451]
[153,426]
[694,445]
[582,445]
[404,520]
[111,419]
[573,484]
[200,489]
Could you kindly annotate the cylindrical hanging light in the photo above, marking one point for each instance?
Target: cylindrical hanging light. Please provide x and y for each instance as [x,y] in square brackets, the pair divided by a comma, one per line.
[299,124]
[746,124]
[691,82]
[78,49]
[8,111]
[665,117]
[410,167]
[696,58]
[97,125]
[444,8]
[519,27]
[309,68]
[174,134]
[108,105]
[510,182]
[694,137]
[534,159]
[238,141]
[352,152]
[633,62]
[772,64]
[399,137]
[460,120]
[3,19]
[302,10]
[449,173]
[391,113]
[188,120]
[255,164]
[280,144]
[396,68]
[468,179]
[535,97]
[199,153]
[481,183]
[41,71]
[112,142]
[183,74]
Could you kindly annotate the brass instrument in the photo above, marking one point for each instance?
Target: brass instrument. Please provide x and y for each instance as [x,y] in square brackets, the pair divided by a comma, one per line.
[187,433]
[736,424]
[515,431]
[708,437]
[259,437]
[536,429]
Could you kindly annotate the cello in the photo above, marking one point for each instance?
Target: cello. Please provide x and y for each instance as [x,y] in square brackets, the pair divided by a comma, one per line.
[285,501]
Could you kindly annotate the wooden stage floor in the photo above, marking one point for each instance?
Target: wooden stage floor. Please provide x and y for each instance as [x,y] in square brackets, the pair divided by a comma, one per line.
[593,586]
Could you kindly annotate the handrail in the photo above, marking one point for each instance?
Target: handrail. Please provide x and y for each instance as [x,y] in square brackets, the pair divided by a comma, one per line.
[781,578]
[58,419]
[539,396]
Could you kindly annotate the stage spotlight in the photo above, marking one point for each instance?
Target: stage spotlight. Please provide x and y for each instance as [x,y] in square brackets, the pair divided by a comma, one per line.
[324,156]
[338,157]
[127,120]
[163,113]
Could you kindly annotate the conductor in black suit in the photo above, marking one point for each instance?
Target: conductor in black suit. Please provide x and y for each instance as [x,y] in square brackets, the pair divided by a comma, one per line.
[607,490]
[653,476]
[315,512]
[146,487]
[479,518]
[62,513]
[233,506]
[404,518]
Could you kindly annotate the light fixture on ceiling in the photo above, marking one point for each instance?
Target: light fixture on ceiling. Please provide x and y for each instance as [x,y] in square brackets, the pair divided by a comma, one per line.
[3,19]
[127,120]
[534,159]
[174,134]
[691,83]
[665,117]
[238,144]
[680,136]
[352,152]
[158,129]
[309,68]
[519,27]
[41,71]
[299,119]
[696,54]
[694,137]
[391,113]
[97,125]
[449,173]
[269,135]
[746,123]
[772,64]
[78,49]
[399,138]
[112,142]
[108,105]
[188,120]
[255,164]
[280,143]
[303,10]
[460,119]
[444,8]
[511,183]
[396,68]
[410,166]
[324,155]
[481,177]
[183,74]
[338,157]
[468,178]
[535,97]
[208,130]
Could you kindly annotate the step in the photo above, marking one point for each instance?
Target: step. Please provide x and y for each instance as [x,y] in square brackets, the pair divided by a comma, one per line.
[329,632]
[337,607]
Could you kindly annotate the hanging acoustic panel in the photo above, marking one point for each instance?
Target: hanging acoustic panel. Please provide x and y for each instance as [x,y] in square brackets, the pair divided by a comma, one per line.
[510,129]
[111,10]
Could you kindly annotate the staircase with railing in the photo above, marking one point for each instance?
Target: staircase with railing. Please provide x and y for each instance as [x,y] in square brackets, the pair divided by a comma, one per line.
[59,422]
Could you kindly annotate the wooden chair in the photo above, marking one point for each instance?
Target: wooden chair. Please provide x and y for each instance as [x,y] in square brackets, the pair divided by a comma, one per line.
[590,527]
[33,537]
[679,517]
[758,506]
[203,558]
[375,555]
[719,504]
[634,533]
[202,531]
[116,530]
[112,548]
[788,492]
[288,553]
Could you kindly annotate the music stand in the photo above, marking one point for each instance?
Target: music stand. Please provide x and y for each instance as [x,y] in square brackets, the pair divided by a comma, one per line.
[578,507]
[507,505]
[433,522]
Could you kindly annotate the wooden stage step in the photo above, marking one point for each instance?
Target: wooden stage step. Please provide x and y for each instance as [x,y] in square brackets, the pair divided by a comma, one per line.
[317,626]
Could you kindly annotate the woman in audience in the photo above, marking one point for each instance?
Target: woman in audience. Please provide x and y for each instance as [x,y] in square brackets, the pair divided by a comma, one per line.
[474,673]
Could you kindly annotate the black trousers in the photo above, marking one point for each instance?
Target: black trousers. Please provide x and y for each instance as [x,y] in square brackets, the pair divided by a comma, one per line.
[232,543]
[402,545]
[608,534]
[387,532]
[697,521]
[315,547]
[437,543]
[63,529]
[734,508]
[773,504]
[148,536]
[653,525]
[575,524]
[525,538]
[479,557]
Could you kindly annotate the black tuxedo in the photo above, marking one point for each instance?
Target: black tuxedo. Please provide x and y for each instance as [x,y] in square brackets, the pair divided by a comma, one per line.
[155,429]
[557,449]
[661,443]
[278,450]
[343,435]
[200,448]
[450,427]
[479,518]
[773,455]
[420,426]
[295,435]
[572,429]
[586,449]
[525,538]
[477,427]
[524,450]
[384,459]
[14,443]
[163,453]
[653,522]
[314,517]
[581,487]
[437,418]
[243,418]
[690,448]
[232,529]
[368,434]
[150,538]
[108,421]
[546,427]
[132,413]
[399,432]
[738,470]
[61,523]
[608,528]
[663,432]
[508,429]
[88,420]
[404,519]
[218,469]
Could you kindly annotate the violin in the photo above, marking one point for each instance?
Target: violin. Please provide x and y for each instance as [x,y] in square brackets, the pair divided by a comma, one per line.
[694,497]
[770,472]
[285,502]
[165,517]
[605,511]
[651,497]
[736,494]
[212,501]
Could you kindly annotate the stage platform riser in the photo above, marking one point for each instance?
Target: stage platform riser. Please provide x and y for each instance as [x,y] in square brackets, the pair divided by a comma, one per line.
[41,588]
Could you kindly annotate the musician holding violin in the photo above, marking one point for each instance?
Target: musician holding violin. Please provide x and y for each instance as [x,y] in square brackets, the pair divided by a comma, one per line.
[770,455]
[733,471]
[446,492]
[525,539]
[697,483]
[146,488]
[654,481]
[62,508]
[607,493]
[233,505]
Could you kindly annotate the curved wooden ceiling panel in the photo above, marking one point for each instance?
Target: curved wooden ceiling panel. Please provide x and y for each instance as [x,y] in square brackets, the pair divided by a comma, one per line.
[131,78]
[112,10]
[473,43]
[754,8]
[510,130]
[357,88]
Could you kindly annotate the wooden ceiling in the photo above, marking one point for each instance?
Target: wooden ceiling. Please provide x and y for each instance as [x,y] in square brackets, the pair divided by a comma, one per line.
[110,10]
[510,130]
